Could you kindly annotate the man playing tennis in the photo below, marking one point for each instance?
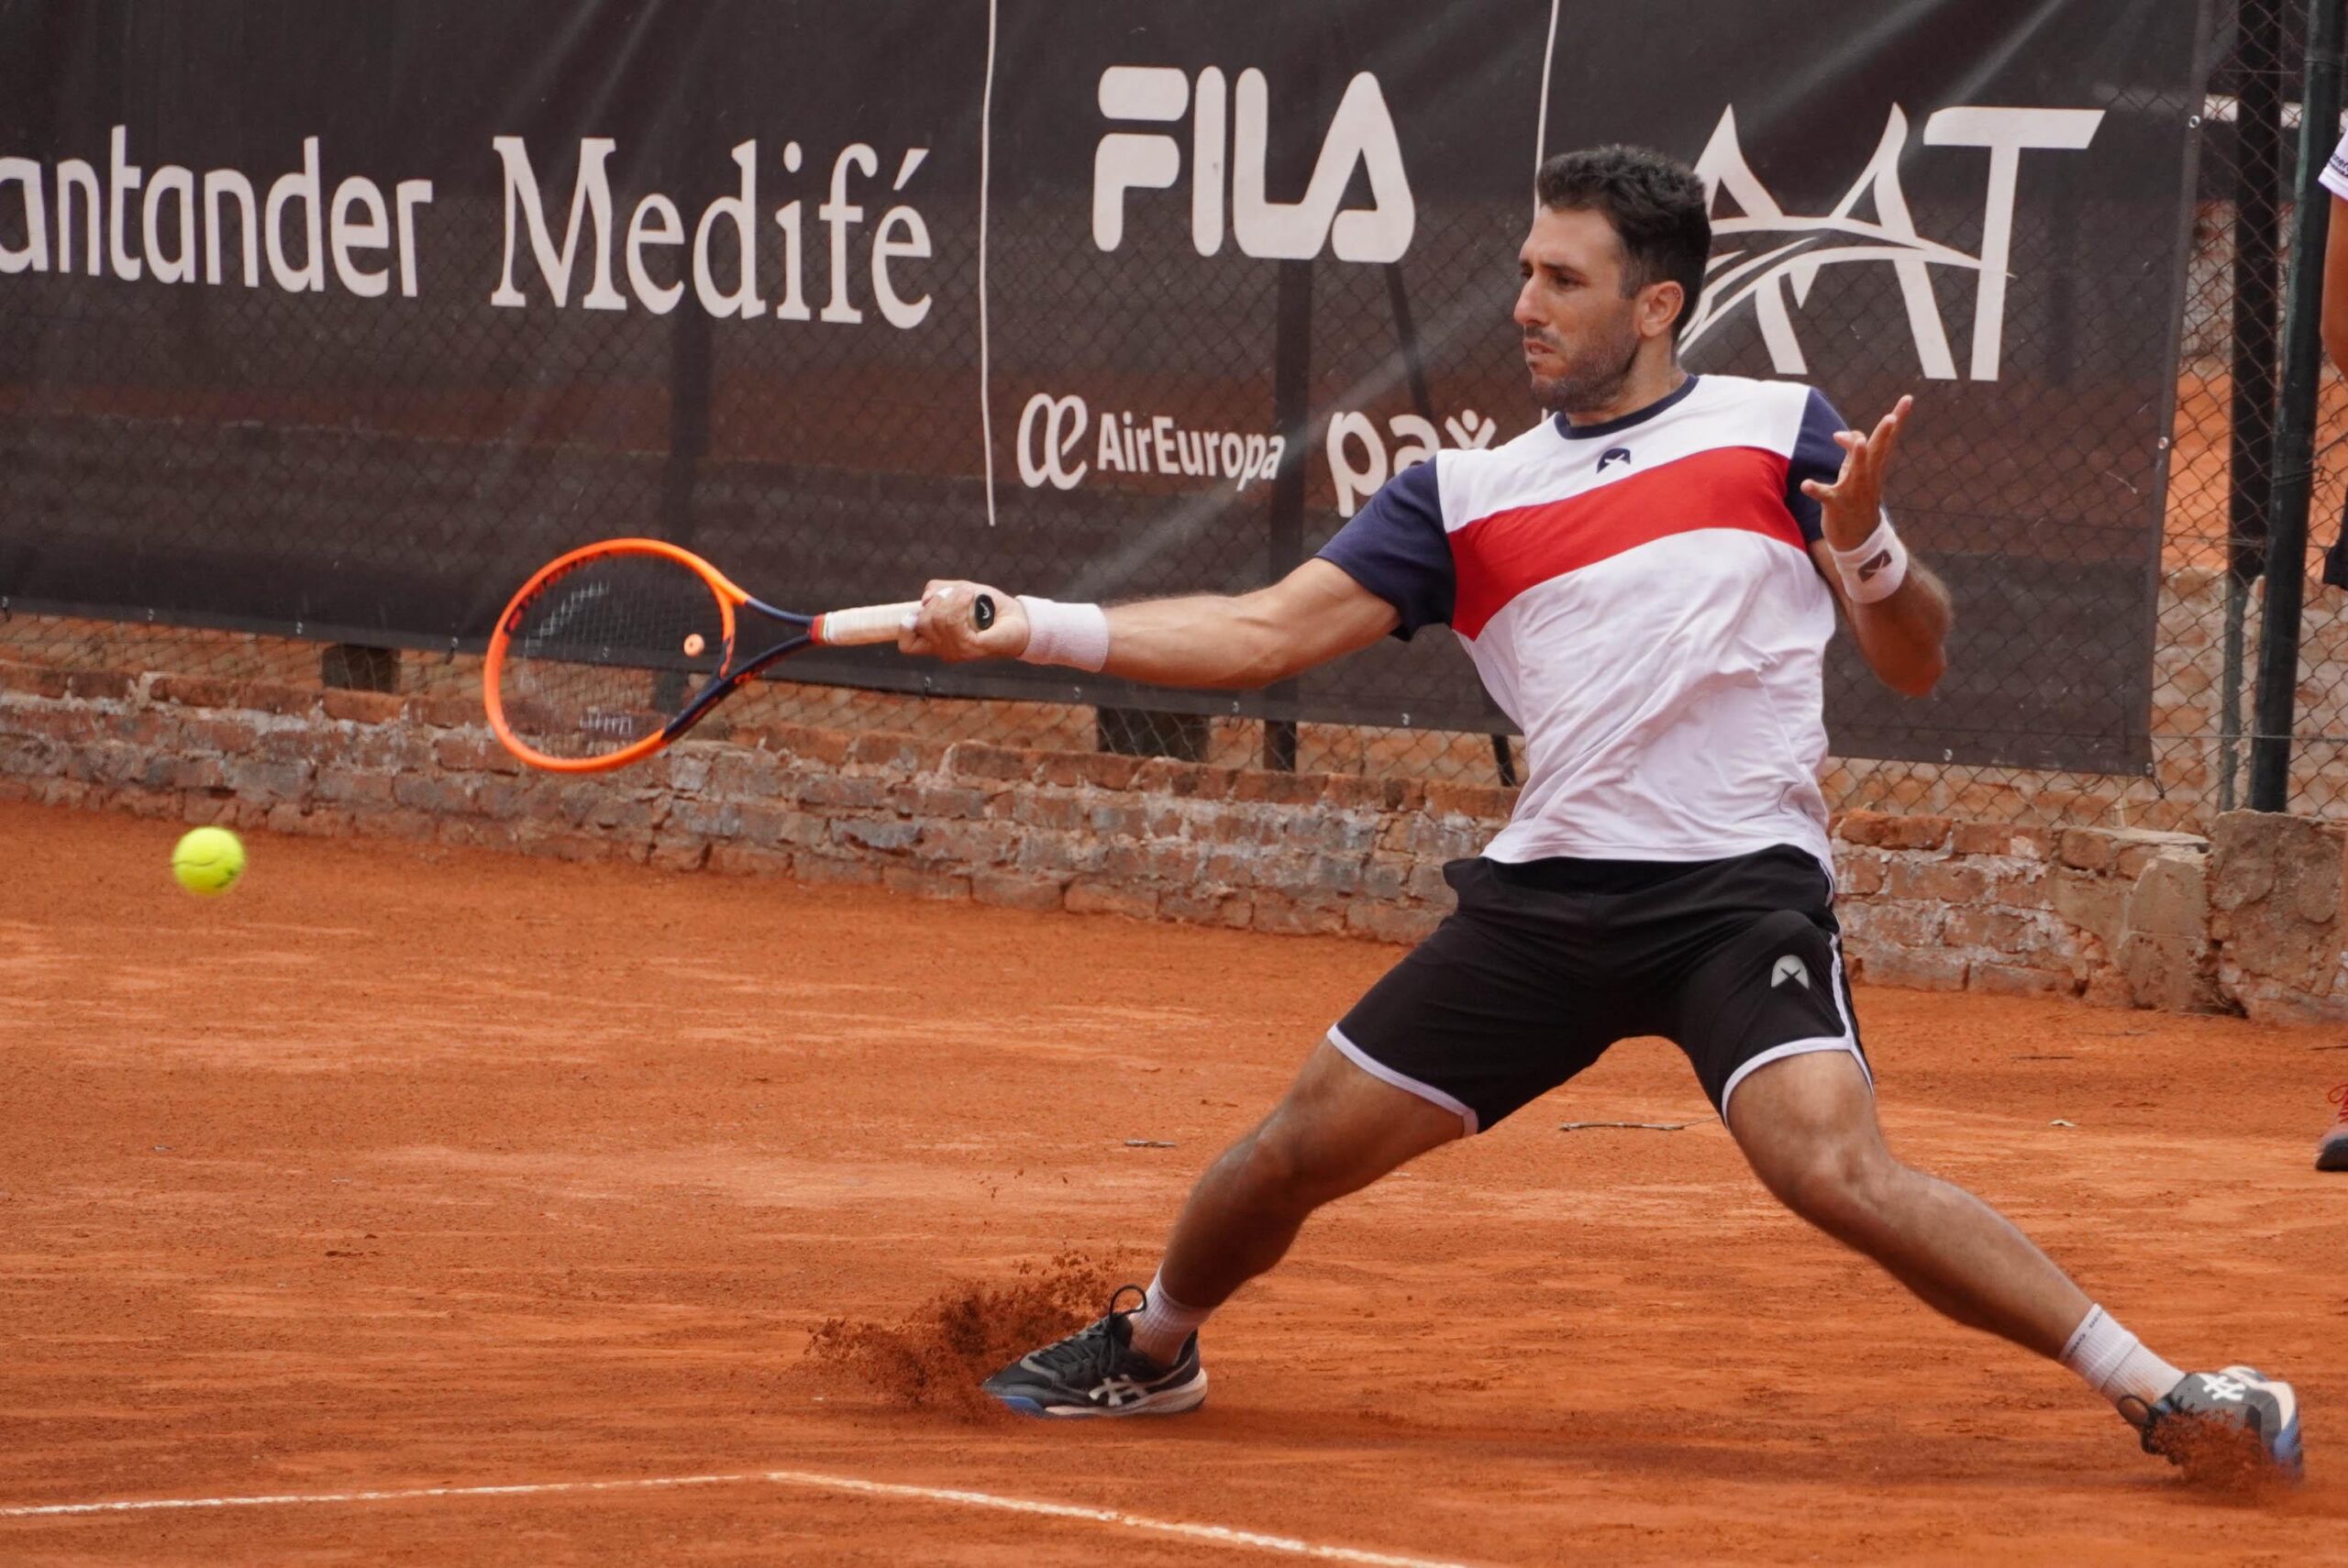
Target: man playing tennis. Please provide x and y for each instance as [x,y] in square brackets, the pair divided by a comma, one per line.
[1646,583]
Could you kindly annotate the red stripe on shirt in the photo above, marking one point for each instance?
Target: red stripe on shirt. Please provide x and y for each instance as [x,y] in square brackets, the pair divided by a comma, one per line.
[1500,555]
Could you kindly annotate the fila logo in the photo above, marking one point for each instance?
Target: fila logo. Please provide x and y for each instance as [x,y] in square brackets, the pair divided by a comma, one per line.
[1361,134]
[1788,968]
[1612,453]
[1778,255]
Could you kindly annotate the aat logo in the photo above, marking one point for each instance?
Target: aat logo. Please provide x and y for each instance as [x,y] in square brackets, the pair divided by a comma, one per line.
[1775,256]
[1230,136]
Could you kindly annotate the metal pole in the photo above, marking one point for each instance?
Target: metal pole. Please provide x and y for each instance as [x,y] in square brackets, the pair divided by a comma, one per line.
[2258,155]
[2286,538]
[1292,416]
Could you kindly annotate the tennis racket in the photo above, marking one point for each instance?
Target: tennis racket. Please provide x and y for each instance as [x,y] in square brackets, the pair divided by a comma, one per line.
[611,652]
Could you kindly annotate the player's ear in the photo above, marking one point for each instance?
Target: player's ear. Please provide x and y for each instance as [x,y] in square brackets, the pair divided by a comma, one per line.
[1660,306]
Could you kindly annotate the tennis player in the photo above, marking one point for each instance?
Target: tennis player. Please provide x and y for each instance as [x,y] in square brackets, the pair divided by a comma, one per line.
[1646,581]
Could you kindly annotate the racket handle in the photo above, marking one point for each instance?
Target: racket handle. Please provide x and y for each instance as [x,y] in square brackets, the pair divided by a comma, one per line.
[881,623]
[867,624]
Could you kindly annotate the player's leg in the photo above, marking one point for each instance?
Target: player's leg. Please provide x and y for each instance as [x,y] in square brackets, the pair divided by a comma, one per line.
[1473,1023]
[1336,1130]
[1765,1013]
[1807,1123]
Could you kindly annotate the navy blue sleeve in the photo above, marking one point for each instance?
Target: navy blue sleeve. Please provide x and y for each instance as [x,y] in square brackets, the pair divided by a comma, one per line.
[1815,455]
[1395,548]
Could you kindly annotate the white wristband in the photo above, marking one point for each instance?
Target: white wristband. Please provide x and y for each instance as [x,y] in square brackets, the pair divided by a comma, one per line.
[1876,568]
[1073,634]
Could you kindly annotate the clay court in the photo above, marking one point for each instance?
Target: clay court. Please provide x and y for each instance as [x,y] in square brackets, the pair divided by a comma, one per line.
[516,1193]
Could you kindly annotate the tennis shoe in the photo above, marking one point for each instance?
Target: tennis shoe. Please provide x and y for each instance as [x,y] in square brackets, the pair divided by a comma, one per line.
[1096,1371]
[2332,1150]
[2227,1425]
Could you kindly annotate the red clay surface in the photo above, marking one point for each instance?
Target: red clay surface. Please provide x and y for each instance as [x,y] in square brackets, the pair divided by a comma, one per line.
[403,1168]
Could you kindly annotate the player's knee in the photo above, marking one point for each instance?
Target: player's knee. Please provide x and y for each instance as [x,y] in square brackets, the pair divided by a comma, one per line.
[1282,1166]
[1276,1165]
[1840,1186]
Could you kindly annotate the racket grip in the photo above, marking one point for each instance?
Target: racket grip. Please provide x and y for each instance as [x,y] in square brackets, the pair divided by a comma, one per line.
[865,623]
[881,623]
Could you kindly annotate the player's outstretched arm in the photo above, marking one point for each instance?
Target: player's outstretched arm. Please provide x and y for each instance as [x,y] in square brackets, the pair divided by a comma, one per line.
[1311,616]
[2335,285]
[1901,631]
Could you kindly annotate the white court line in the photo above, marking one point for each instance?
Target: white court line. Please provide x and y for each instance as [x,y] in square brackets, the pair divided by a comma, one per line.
[1217,1535]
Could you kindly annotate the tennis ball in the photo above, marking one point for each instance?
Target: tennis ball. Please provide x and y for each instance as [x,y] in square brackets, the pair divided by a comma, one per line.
[208,860]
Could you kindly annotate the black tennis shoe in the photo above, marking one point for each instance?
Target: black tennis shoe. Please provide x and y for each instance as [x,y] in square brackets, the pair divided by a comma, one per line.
[2226,1424]
[1096,1372]
[2332,1150]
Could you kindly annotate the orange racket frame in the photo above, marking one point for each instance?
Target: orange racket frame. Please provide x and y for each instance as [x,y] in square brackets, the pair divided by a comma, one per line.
[866,624]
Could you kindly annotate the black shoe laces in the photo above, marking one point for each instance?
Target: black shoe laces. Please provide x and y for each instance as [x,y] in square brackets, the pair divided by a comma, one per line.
[1092,1353]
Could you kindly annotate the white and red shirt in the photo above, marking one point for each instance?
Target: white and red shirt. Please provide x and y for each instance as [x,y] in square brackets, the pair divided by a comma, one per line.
[2334,177]
[1640,598]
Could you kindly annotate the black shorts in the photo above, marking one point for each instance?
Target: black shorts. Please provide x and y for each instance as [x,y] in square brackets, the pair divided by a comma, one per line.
[1545,965]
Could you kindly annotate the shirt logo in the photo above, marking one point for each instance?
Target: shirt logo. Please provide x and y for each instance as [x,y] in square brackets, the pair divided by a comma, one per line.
[1611,455]
[1788,968]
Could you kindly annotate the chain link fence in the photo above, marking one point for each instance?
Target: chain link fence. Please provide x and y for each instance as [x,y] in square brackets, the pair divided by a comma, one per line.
[2224,479]
[481,442]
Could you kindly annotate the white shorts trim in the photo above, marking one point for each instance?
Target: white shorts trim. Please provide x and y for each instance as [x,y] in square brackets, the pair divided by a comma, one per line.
[1793,1048]
[1379,1070]
[1847,1041]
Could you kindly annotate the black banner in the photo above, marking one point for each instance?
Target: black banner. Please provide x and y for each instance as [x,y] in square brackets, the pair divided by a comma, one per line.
[339,320]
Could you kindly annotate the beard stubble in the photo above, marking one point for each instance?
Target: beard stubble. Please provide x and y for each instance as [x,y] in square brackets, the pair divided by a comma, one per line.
[1594,380]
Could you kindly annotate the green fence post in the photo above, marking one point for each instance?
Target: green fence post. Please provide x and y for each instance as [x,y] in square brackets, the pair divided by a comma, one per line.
[2286,538]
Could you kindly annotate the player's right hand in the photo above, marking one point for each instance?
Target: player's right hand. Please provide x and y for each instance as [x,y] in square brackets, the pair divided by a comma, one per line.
[947,626]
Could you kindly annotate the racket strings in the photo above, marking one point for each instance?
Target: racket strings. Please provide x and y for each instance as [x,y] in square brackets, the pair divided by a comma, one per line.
[608,653]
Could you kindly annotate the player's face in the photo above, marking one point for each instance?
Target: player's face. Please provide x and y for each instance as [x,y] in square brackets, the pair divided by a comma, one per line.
[1581,336]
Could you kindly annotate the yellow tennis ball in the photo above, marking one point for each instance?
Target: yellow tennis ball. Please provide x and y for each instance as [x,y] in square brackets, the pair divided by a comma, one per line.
[208,860]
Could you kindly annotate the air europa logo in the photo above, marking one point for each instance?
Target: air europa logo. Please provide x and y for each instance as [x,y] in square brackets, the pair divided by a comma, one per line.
[1062,442]
[1779,254]
[1054,447]
[1229,140]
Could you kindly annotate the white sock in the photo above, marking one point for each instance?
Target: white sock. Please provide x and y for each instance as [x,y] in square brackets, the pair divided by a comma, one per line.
[1163,1323]
[2115,1363]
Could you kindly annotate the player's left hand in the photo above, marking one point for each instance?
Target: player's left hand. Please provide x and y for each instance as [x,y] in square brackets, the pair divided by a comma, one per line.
[1851,506]
[945,627]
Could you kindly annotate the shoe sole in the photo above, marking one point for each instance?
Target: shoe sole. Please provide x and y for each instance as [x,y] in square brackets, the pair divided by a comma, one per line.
[2218,1450]
[2283,1452]
[1165,1402]
[2222,1452]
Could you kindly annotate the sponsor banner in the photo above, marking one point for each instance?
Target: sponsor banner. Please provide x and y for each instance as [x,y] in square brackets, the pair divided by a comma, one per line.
[340,319]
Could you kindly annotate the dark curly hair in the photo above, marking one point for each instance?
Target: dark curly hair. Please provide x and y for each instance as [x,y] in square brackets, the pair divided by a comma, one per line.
[1657,207]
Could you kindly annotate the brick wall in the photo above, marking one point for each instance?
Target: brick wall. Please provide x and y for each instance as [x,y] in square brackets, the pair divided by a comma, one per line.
[2248,919]
[1942,905]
